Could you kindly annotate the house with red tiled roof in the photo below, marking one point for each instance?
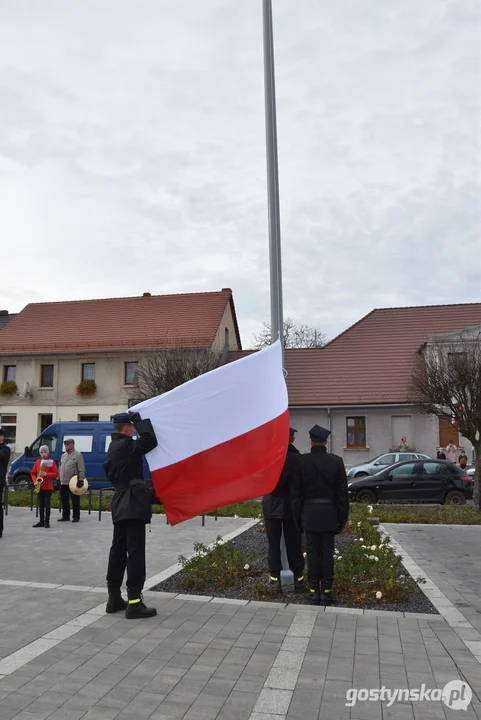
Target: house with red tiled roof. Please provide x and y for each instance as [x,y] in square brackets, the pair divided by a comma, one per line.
[358,384]
[49,348]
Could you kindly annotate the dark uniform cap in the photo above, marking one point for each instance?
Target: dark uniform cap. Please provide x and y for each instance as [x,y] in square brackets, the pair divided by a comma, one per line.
[319,434]
[292,432]
[123,417]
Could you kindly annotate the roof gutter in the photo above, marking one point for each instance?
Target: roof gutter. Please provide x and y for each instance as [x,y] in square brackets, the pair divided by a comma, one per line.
[352,405]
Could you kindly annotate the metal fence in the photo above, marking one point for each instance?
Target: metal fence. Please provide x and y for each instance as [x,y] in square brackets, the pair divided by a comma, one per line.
[100,492]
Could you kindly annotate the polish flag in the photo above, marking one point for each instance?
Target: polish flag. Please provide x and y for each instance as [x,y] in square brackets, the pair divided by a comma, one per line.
[222,437]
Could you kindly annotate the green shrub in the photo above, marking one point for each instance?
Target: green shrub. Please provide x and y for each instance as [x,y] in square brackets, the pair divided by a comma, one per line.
[219,567]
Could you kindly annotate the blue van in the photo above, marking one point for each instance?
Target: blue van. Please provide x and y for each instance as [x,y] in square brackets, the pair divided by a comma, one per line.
[92,439]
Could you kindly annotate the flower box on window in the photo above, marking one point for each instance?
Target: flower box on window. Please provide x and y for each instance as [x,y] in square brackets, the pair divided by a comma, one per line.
[9,387]
[86,388]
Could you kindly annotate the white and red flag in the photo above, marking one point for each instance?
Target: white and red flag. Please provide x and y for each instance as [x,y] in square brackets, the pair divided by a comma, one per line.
[222,437]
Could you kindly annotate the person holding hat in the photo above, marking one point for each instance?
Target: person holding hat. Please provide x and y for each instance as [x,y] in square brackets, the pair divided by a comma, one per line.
[4,460]
[278,518]
[46,470]
[71,464]
[131,510]
[320,506]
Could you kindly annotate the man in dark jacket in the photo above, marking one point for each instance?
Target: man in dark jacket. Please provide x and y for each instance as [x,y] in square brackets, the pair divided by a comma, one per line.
[131,511]
[278,518]
[320,506]
[4,460]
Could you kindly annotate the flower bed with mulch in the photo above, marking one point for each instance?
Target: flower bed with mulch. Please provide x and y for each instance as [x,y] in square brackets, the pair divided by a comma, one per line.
[368,572]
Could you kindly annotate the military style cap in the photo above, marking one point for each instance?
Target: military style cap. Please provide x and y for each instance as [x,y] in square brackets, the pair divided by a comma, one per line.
[292,432]
[122,417]
[319,434]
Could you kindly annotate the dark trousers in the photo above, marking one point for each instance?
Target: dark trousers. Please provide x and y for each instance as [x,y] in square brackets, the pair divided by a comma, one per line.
[293,540]
[44,506]
[320,558]
[1,509]
[127,551]
[65,496]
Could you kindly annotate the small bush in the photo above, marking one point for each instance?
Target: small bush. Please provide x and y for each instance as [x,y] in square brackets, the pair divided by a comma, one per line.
[86,388]
[219,567]
[9,387]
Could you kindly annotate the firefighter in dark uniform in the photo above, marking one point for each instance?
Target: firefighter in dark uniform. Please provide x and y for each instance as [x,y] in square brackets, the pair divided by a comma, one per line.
[131,511]
[4,461]
[320,506]
[278,517]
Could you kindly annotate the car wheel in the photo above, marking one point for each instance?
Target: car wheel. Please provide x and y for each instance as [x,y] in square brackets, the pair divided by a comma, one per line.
[366,496]
[361,474]
[21,482]
[455,497]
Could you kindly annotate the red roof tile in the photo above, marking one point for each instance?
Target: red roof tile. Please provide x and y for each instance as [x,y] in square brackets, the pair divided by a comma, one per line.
[371,362]
[135,323]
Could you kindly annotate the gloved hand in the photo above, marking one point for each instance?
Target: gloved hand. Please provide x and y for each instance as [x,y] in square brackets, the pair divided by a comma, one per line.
[134,417]
[80,483]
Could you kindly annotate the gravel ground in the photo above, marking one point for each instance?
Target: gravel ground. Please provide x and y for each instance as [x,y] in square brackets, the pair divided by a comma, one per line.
[255,585]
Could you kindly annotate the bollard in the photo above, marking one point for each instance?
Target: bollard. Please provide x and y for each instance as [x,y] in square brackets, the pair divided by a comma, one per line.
[90,500]
[203,520]
[100,504]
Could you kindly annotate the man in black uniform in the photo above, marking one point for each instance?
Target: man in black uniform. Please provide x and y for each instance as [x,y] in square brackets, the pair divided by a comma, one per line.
[4,460]
[320,506]
[278,517]
[131,511]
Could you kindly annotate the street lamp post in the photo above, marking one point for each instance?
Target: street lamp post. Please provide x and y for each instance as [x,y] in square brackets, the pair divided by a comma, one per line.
[277,322]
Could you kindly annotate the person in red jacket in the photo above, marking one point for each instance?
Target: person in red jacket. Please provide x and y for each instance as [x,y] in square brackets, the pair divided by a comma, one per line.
[46,469]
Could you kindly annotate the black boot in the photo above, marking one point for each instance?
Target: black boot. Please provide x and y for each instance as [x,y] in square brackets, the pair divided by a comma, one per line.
[299,586]
[39,524]
[327,598]
[115,603]
[136,608]
[314,594]
[275,581]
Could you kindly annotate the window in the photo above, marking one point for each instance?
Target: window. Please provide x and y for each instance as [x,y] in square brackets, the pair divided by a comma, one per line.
[83,443]
[356,432]
[45,420]
[386,460]
[9,424]
[131,373]
[403,470]
[9,373]
[88,418]
[88,371]
[49,440]
[46,376]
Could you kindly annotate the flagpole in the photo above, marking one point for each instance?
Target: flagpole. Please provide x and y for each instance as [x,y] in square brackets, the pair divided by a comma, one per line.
[275,264]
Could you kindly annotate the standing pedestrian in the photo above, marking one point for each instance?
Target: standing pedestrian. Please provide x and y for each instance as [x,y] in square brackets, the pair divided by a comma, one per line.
[451,452]
[71,463]
[463,460]
[320,506]
[278,518]
[440,454]
[46,470]
[131,511]
[5,453]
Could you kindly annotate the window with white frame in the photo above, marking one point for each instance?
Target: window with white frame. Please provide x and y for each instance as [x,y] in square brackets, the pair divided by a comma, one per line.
[9,424]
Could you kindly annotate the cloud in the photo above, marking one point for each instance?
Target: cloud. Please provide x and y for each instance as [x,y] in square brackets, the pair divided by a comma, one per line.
[132,153]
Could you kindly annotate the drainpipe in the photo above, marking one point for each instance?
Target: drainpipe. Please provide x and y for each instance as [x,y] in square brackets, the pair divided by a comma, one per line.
[329,448]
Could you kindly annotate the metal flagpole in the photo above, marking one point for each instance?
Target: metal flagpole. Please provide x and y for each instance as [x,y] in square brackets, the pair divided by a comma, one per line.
[277,322]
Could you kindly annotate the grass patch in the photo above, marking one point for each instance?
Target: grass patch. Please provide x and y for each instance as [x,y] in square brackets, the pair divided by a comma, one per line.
[436,514]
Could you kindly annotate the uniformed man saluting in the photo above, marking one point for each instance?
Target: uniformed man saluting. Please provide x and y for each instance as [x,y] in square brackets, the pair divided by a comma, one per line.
[320,506]
[131,511]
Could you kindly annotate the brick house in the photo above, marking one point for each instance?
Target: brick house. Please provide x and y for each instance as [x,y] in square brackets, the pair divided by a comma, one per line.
[357,384]
[48,348]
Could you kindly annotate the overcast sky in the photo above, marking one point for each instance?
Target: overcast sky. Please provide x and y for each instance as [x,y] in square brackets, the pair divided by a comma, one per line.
[132,153]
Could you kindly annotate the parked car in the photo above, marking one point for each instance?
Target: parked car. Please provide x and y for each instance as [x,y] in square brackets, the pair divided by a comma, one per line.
[432,481]
[92,439]
[382,461]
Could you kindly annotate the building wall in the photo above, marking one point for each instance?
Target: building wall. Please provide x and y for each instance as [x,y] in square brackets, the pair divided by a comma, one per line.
[227,322]
[424,431]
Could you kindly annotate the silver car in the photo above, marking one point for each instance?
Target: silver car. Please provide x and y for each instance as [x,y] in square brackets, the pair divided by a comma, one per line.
[383,461]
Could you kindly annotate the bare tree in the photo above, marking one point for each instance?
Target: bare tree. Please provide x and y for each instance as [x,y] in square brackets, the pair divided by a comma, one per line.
[163,370]
[446,380]
[295,336]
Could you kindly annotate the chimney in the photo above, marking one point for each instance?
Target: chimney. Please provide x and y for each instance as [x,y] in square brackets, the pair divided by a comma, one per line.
[3,312]
[147,294]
